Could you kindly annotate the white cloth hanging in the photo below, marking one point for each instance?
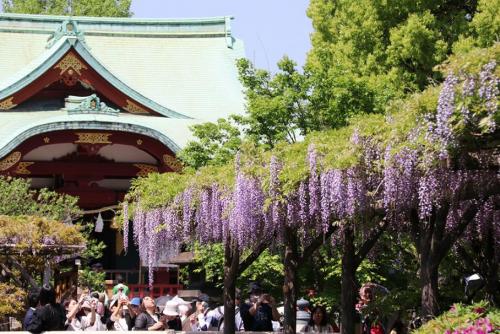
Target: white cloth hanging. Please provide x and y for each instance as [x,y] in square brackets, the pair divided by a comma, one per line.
[99,224]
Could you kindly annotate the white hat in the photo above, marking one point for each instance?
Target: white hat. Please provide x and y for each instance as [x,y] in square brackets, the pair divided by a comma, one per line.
[171,308]
[179,301]
[86,304]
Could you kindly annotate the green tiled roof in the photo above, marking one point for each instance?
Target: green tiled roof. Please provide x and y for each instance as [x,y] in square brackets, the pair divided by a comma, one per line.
[184,69]
[184,65]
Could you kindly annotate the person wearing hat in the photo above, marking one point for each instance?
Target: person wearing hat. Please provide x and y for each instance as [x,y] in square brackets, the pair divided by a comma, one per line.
[148,319]
[303,315]
[259,311]
[172,316]
[134,309]
[121,288]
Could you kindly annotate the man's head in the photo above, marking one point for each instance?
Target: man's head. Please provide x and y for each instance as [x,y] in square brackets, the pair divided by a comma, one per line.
[47,295]
[237,297]
[302,304]
[312,293]
[255,289]
[33,297]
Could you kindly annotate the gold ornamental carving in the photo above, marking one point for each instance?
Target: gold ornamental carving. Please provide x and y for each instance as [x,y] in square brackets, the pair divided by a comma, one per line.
[22,168]
[93,138]
[46,140]
[139,142]
[70,61]
[172,163]
[133,108]
[10,161]
[144,169]
[7,104]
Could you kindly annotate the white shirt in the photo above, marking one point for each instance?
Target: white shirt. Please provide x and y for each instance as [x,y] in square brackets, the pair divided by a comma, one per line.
[119,324]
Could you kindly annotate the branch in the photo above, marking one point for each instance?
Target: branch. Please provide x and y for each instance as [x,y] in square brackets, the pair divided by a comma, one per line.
[13,249]
[318,241]
[24,273]
[106,208]
[415,231]
[452,236]
[10,274]
[244,264]
[369,243]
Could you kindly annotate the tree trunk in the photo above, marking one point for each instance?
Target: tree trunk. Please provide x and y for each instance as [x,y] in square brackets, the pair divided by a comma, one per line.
[429,285]
[491,277]
[290,282]
[348,294]
[47,273]
[231,263]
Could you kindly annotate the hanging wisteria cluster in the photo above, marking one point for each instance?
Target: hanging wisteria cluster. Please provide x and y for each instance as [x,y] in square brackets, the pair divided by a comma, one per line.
[478,96]
[395,181]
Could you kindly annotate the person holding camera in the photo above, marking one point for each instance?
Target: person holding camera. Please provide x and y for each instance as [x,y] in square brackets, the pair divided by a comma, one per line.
[259,311]
[120,318]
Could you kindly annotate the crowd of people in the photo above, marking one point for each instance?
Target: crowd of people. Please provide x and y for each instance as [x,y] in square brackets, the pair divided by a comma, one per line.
[258,313]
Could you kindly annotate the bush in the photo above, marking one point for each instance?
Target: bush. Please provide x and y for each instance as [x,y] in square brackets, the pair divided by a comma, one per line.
[477,318]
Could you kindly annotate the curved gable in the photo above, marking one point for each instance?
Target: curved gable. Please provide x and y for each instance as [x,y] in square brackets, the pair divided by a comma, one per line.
[69,60]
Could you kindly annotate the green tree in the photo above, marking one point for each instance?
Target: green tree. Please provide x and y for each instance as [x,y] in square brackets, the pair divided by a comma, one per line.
[18,201]
[114,8]
[366,53]
[266,269]
[216,144]
[16,198]
[277,106]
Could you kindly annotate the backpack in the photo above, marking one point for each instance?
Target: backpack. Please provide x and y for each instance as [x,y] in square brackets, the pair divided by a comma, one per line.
[216,318]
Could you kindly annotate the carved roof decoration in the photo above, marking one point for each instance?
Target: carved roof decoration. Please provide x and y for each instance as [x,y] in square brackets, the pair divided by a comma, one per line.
[88,105]
[66,28]
[188,71]
[62,55]
[163,76]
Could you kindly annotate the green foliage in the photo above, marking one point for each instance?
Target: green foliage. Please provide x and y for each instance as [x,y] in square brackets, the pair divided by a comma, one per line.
[16,198]
[94,248]
[92,280]
[32,233]
[484,29]
[460,317]
[415,47]
[486,23]
[366,272]
[11,300]
[367,53]
[276,105]
[266,269]
[216,144]
[114,8]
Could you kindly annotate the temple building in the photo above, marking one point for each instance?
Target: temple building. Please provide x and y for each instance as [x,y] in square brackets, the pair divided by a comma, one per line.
[87,104]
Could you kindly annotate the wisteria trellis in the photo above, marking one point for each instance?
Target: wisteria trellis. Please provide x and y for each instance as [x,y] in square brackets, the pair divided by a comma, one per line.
[409,178]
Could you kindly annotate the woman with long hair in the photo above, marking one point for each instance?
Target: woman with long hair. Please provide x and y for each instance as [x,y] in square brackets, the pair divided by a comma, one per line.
[50,316]
[319,322]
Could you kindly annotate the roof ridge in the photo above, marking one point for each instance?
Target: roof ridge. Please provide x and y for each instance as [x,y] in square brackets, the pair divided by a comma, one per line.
[126,20]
